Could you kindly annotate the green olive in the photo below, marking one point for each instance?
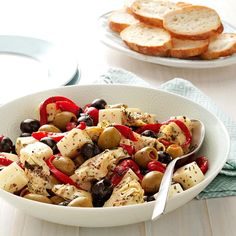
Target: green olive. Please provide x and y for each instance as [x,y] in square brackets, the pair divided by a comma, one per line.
[49,128]
[64,164]
[94,132]
[145,155]
[175,150]
[81,202]
[38,198]
[56,200]
[151,181]
[63,118]
[109,138]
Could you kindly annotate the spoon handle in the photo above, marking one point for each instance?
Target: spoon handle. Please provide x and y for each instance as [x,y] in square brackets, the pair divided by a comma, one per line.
[161,198]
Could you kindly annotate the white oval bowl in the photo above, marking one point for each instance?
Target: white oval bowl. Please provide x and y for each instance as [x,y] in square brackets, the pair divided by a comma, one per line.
[164,104]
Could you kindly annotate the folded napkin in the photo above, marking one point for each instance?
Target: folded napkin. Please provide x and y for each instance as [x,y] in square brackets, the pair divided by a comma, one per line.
[225,183]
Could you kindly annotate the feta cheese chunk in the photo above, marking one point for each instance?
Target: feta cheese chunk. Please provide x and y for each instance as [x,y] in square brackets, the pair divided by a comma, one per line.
[36,153]
[12,178]
[22,142]
[174,190]
[72,142]
[111,116]
[188,175]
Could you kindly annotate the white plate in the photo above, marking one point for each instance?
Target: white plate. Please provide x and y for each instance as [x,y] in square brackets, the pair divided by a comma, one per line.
[113,40]
[56,65]
[164,104]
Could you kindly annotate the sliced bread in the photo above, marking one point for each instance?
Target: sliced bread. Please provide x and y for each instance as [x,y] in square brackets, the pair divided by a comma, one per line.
[221,46]
[147,39]
[193,22]
[152,11]
[121,19]
[183,4]
[185,48]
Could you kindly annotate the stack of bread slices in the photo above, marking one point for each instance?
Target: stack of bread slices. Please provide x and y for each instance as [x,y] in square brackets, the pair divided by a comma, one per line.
[180,30]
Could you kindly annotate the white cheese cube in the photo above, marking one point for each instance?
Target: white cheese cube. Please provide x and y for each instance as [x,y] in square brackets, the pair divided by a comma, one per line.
[188,175]
[111,116]
[174,190]
[22,142]
[12,178]
[72,142]
[9,156]
[36,153]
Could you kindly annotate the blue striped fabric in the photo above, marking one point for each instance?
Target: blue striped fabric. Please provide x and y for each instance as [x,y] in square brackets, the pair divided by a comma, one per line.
[225,183]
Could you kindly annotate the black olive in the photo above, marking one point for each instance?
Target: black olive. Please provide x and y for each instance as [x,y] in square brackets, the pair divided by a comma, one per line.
[29,126]
[89,150]
[164,157]
[80,111]
[96,150]
[148,198]
[25,135]
[86,119]
[101,192]
[65,203]
[149,133]
[6,145]
[99,103]
[51,143]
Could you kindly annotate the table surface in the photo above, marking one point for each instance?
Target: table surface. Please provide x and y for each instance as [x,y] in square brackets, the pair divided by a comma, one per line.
[73,23]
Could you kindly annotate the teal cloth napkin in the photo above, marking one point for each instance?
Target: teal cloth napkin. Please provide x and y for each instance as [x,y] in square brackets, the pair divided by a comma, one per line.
[225,182]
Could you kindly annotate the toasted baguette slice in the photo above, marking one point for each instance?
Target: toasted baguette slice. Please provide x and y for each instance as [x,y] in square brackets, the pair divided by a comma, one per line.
[147,39]
[183,4]
[128,4]
[193,22]
[184,48]
[152,11]
[221,46]
[121,19]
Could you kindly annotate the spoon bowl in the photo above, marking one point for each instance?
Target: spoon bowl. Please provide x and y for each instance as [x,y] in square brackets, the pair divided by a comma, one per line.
[198,134]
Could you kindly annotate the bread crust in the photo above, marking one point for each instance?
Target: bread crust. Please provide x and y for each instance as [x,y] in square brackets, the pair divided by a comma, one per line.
[118,26]
[154,50]
[184,52]
[149,20]
[211,54]
[192,35]
[150,50]
[139,13]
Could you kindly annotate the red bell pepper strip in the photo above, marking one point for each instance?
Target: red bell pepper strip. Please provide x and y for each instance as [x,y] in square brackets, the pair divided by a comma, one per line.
[82,125]
[70,105]
[156,166]
[121,170]
[42,134]
[72,125]
[165,142]
[58,174]
[129,148]
[202,162]
[184,129]
[67,106]
[153,127]
[126,132]
[93,113]
[5,161]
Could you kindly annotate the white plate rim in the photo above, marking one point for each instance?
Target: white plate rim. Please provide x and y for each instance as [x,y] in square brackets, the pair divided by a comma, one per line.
[106,35]
[60,62]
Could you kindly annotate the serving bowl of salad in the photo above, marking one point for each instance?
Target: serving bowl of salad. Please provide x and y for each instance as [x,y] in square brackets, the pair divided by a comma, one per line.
[94,155]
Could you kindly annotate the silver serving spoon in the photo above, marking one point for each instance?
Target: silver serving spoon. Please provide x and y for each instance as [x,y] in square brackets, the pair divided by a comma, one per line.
[198,135]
